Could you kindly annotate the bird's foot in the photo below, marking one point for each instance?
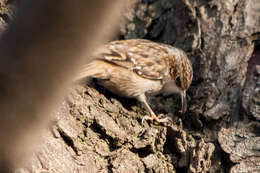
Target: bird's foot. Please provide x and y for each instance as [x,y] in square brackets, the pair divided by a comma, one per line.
[157,119]
[164,120]
[147,118]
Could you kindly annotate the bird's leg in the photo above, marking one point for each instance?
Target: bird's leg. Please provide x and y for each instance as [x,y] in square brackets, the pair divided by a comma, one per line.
[142,98]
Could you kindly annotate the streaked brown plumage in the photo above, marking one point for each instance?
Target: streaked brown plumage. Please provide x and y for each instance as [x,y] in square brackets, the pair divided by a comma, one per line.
[136,68]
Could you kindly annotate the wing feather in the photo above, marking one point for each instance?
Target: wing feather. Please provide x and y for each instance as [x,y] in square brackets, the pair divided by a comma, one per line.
[144,57]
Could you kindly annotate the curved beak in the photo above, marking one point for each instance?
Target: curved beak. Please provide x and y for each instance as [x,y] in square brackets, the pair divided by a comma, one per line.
[183,102]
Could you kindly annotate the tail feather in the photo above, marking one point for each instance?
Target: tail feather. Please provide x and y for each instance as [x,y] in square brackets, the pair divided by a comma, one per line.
[95,69]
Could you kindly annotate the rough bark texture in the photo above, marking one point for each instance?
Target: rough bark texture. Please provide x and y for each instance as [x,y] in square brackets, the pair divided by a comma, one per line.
[96,131]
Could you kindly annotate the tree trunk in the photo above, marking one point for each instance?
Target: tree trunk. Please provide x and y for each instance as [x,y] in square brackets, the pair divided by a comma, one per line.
[96,131]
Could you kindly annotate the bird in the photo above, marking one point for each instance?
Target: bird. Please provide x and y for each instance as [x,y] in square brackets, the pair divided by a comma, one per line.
[139,68]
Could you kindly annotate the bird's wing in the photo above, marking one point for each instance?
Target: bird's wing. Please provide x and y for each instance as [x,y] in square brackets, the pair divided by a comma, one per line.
[146,58]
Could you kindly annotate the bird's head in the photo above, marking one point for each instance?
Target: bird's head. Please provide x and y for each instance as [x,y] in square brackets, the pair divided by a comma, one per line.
[182,72]
[186,76]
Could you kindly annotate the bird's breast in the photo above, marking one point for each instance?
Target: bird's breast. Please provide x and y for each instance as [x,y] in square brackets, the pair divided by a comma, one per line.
[127,83]
[170,87]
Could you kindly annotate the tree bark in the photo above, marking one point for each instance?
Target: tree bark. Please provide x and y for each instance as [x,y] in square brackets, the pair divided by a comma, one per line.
[96,131]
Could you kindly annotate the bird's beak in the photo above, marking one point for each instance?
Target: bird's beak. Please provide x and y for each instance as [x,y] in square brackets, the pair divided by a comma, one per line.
[183,102]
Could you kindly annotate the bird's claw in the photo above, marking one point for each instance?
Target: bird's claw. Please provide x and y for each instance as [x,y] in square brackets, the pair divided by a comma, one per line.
[164,120]
[147,117]
[158,119]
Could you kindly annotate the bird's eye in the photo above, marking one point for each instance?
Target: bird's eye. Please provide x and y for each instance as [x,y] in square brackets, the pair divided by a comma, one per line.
[178,81]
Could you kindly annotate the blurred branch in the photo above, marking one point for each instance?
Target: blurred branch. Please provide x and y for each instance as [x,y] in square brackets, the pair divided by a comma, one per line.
[39,54]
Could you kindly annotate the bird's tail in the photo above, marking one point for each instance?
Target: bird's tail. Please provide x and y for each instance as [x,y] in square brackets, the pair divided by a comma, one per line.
[94,69]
